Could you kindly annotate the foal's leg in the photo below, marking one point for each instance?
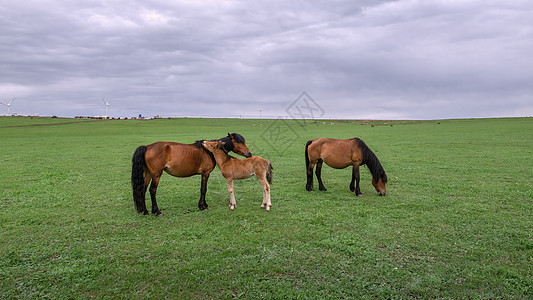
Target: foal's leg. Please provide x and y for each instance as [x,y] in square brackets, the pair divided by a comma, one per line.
[232,202]
[153,191]
[202,205]
[356,178]
[318,173]
[266,193]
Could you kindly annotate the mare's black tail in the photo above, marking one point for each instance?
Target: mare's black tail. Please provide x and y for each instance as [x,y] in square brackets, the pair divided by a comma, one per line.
[307,154]
[137,179]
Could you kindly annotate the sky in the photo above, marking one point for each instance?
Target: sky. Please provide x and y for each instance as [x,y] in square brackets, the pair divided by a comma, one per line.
[349,59]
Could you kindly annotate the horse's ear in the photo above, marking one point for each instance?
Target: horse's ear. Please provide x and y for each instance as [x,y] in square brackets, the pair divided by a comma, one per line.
[229,135]
[224,146]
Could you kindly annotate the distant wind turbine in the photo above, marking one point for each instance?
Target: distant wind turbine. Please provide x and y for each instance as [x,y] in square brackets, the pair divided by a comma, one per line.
[8,106]
[106,107]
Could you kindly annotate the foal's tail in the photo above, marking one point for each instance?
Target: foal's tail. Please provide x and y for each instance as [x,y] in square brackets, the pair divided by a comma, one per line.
[137,179]
[269,172]
[307,154]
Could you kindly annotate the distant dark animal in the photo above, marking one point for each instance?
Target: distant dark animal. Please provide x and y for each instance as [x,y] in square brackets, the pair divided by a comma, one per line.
[179,160]
[340,154]
[234,168]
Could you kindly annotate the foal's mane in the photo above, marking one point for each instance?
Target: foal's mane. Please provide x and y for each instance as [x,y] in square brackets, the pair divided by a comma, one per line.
[372,161]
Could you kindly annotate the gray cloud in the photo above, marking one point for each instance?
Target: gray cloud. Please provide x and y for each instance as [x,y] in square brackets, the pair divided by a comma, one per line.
[357,59]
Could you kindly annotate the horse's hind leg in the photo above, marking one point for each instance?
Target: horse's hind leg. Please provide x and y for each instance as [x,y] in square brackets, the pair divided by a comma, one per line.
[318,173]
[147,179]
[153,191]
[202,205]
[266,194]
[309,185]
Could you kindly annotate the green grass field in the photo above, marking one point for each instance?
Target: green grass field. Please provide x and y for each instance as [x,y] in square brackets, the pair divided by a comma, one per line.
[457,221]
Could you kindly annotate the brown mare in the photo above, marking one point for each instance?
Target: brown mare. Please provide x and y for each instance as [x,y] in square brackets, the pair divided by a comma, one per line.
[179,160]
[234,168]
[340,154]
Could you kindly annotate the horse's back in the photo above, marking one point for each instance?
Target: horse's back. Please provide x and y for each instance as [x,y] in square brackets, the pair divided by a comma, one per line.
[336,153]
[329,145]
[178,159]
[253,165]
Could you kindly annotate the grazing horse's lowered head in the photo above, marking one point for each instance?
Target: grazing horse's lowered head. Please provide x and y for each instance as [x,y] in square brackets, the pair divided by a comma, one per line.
[379,177]
[380,185]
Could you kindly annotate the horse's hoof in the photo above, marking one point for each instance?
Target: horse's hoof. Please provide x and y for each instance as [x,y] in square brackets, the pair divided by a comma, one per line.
[268,208]
[159,215]
[231,207]
[360,195]
[324,189]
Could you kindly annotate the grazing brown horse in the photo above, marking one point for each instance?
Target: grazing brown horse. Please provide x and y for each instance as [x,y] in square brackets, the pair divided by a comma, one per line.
[234,168]
[179,160]
[340,154]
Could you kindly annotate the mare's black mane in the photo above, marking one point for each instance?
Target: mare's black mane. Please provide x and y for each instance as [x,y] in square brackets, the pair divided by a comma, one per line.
[228,144]
[372,161]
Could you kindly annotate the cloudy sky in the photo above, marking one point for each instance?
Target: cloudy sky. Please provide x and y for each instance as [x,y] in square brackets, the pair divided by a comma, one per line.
[364,59]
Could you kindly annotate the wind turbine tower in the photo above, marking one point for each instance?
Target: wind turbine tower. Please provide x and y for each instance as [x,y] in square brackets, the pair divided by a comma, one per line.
[8,106]
[106,107]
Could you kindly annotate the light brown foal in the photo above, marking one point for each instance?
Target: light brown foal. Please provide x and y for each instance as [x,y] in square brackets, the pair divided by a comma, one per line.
[234,168]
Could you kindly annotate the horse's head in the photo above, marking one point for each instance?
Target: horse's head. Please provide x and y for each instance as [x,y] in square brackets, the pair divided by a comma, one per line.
[380,184]
[239,145]
[211,146]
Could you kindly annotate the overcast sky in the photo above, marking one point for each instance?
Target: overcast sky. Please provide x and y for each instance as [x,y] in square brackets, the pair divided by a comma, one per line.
[405,59]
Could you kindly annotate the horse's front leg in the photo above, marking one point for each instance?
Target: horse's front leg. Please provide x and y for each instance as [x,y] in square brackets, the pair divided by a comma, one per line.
[232,202]
[202,205]
[356,177]
[352,183]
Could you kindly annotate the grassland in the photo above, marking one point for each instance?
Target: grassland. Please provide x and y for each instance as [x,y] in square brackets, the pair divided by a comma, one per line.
[457,221]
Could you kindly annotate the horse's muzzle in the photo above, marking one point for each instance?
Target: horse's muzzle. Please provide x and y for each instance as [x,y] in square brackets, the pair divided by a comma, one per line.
[249,154]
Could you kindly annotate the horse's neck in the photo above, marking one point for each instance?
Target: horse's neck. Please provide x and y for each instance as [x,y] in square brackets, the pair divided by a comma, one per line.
[373,165]
[220,157]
